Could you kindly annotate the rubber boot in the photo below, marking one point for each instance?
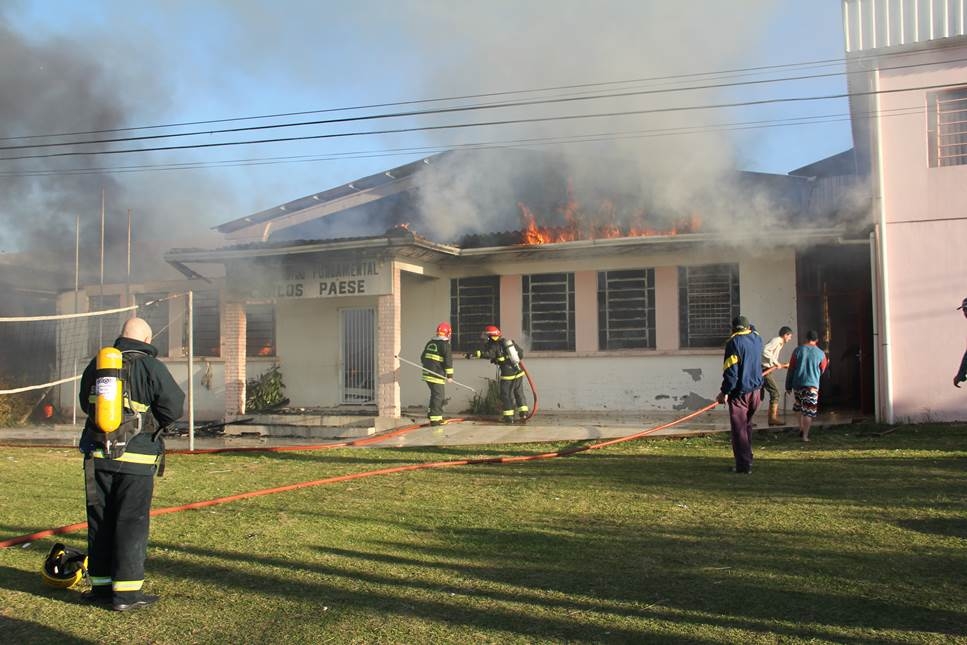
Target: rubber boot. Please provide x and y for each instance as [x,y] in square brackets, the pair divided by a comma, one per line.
[774,415]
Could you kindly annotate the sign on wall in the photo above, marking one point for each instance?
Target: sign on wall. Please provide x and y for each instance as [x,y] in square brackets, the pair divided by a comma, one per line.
[312,278]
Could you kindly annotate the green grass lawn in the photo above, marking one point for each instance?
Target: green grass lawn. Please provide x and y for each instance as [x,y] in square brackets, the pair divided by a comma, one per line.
[853,538]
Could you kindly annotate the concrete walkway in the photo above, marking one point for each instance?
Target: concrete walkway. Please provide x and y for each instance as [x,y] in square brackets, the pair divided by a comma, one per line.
[543,428]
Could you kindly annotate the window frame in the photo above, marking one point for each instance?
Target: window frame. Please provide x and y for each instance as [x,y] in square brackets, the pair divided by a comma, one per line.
[689,339]
[538,311]
[947,123]
[472,308]
[625,308]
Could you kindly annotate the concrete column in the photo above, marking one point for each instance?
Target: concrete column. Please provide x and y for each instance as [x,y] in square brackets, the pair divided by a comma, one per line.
[388,345]
[233,330]
[666,308]
[586,311]
[511,308]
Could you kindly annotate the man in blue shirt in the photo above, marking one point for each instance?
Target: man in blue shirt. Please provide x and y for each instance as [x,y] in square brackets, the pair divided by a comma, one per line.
[807,364]
[742,388]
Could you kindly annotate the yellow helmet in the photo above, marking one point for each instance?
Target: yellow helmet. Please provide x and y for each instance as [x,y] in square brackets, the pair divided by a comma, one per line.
[64,567]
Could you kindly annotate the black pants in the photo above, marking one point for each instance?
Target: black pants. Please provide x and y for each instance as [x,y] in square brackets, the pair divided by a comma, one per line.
[512,397]
[434,411]
[117,530]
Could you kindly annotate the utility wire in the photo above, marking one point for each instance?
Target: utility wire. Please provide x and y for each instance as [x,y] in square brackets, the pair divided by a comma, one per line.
[806,64]
[446,110]
[538,141]
[571,117]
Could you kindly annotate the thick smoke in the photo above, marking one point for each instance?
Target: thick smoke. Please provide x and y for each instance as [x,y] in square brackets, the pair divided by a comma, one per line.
[635,168]
[59,85]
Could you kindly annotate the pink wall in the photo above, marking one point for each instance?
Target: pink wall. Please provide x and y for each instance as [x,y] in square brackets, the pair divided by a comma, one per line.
[926,242]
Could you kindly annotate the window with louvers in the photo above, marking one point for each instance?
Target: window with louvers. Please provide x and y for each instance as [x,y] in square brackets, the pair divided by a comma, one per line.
[947,127]
[708,300]
[474,304]
[626,309]
[207,334]
[548,300]
[260,330]
[153,309]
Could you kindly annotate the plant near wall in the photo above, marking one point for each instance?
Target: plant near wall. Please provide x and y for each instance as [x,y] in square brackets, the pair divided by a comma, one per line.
[265,392]
[487,403]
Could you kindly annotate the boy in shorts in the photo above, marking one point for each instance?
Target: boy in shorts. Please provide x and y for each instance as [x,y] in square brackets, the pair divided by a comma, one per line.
[807,364]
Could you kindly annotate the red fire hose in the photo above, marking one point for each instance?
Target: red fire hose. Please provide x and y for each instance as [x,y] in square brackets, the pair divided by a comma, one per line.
[70,528]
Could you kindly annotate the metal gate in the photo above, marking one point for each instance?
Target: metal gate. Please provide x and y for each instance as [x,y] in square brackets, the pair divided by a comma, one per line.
[358,358]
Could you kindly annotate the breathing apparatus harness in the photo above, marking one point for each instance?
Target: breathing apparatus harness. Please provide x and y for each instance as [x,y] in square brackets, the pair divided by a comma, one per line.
[117,418]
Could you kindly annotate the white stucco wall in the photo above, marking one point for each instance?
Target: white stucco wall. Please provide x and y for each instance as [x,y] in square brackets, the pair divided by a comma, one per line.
[926,231]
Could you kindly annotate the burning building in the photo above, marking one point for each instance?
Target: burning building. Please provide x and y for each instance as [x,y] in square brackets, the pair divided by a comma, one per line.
[619,306]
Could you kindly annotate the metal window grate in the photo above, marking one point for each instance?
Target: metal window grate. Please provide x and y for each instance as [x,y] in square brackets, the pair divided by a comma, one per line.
[260,330]
[548,301]
[474,304]
[358,355]
[626,309]
[207,333]
[947,127]
[156,315]
[708,300]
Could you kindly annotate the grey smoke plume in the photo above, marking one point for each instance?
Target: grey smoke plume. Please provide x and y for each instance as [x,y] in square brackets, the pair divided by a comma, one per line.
[60,85]
[535,45]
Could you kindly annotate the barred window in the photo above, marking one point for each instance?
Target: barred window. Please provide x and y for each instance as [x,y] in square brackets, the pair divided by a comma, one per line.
[549,310]
[102,330]
[708,300]
[260,330]
[156,315]
[947,127]
[626,309]
[474,304]
[207,334]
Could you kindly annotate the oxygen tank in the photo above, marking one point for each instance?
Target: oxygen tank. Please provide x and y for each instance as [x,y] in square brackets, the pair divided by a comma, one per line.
[108,403]
[511,351]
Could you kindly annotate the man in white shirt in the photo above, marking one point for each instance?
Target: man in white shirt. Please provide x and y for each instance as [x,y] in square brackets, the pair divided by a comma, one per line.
[770,358]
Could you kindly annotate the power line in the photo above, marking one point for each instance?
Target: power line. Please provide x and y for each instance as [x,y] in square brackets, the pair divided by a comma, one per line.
[807,64]
[395,152]
[447,110]
[687,108]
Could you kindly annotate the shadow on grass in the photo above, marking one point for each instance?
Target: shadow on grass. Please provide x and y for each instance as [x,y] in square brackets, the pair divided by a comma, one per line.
[23,631]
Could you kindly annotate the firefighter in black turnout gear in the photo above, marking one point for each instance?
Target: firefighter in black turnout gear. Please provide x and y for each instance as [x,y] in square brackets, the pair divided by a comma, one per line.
[120,465]
[506,355]
[437,360]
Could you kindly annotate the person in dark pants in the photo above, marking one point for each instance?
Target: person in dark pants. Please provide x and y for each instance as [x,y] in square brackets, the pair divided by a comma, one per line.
[742,388]
[437,361]
[120,465]
[961,375]
[506,355]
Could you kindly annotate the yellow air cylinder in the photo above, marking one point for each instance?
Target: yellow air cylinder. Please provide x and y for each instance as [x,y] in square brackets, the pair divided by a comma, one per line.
[108,403]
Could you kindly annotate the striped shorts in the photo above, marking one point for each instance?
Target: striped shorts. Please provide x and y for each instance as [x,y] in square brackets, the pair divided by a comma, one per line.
[807,401]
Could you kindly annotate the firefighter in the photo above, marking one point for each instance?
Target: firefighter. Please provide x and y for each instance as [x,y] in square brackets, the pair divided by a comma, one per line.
[437,361]
[120,464]
[506,355]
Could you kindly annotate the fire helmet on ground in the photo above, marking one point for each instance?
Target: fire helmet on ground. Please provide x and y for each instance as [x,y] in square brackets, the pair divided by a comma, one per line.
[492,331]
[64,567]
[444,330]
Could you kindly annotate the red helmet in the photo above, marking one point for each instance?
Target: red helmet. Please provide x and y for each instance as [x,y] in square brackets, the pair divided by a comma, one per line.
[492,331]
[444,330]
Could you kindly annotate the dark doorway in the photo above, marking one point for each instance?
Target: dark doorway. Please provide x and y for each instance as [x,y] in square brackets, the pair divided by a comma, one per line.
[834,297]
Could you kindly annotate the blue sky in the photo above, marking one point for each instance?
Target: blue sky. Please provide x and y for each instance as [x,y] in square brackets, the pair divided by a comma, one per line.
[83,66]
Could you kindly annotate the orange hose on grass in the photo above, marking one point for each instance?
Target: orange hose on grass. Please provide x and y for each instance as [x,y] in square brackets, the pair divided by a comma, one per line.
[369,473]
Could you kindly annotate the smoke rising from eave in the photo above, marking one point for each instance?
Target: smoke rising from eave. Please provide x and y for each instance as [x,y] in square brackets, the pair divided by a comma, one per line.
[63,85]
[535,45]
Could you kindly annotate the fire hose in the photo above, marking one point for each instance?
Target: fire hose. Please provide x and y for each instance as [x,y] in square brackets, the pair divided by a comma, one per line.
[70,528]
